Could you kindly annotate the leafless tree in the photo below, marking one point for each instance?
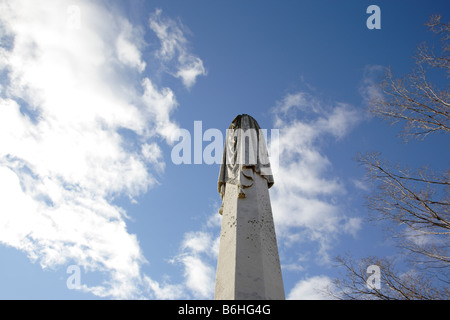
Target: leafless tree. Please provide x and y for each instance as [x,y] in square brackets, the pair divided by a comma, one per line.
[413,204]
[354,284]
[423,107]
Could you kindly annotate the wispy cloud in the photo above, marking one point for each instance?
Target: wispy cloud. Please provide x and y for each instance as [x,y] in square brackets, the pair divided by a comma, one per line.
[369,88]
[198,256]
[313,288]
[174,47]
[71,96]
[305,198]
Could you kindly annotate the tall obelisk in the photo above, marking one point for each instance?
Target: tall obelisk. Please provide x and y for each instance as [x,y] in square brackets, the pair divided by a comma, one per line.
[248,266]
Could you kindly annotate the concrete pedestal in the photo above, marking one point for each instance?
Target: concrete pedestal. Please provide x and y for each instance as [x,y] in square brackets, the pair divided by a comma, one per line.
[248,265]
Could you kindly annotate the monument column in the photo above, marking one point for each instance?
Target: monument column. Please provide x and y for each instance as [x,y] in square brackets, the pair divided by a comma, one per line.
[248,266]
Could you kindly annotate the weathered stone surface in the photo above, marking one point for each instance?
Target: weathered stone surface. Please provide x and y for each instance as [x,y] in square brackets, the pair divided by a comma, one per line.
[248,265]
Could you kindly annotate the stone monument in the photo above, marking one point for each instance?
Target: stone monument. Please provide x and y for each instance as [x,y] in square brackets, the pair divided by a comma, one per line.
[248,266]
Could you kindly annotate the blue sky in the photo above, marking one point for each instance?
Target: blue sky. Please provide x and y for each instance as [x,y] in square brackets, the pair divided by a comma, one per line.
[93,94]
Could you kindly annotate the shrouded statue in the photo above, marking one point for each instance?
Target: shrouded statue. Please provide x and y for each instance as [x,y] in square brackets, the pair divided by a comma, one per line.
[248,266]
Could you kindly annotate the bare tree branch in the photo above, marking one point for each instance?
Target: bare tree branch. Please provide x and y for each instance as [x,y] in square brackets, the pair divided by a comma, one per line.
[413,99]
[394,285]
[414,205]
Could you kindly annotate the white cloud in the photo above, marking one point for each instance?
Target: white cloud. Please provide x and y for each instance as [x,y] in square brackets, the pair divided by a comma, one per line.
[165,291]
[306,196]
[152,154]
[361,184]
[369,88]
[299,100]
[313,288]
[160,104]
[129,47]
[174,46]
[198,257]
[69,92]
[197,242]
[200,276]
[198,254]
[190,68]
